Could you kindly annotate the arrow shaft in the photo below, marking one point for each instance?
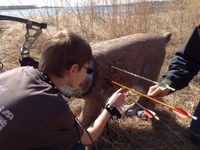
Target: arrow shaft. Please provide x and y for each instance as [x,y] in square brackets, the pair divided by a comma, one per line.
[138,76]
[134,75]
[140,105]
[153,99]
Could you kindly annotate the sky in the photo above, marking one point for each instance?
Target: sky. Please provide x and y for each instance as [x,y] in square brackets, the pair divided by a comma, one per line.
[40,3]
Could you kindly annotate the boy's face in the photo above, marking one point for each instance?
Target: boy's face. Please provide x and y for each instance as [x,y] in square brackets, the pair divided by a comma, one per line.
[80,76]
[76,78]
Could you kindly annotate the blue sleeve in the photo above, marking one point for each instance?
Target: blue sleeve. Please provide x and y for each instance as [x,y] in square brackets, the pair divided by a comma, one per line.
[186,62]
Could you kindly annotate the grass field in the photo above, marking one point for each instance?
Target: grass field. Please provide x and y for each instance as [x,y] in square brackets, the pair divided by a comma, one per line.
[129,133]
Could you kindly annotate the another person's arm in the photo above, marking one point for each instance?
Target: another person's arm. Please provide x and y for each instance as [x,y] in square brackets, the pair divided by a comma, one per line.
[183,67]
[185,63]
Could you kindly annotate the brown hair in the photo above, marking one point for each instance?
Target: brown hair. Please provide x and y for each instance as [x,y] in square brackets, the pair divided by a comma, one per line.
[63,50]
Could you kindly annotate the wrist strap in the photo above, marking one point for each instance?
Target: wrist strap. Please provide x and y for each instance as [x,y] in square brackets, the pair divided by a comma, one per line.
[112,110]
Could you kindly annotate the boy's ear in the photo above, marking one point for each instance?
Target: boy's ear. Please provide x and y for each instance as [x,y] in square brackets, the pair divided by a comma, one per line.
[74,68]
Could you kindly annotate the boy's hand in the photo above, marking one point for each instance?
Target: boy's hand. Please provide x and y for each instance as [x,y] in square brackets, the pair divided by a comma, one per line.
[118,98]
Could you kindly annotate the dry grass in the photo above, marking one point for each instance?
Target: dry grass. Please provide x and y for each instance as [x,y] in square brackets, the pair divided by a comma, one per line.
[178,16]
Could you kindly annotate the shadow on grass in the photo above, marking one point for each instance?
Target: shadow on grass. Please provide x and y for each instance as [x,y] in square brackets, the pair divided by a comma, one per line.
[132,133]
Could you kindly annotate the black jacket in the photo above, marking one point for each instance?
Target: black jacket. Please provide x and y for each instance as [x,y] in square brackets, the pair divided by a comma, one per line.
[186,62]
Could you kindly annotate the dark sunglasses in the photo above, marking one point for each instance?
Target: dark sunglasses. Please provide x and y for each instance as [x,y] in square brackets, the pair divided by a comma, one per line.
[89,70]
